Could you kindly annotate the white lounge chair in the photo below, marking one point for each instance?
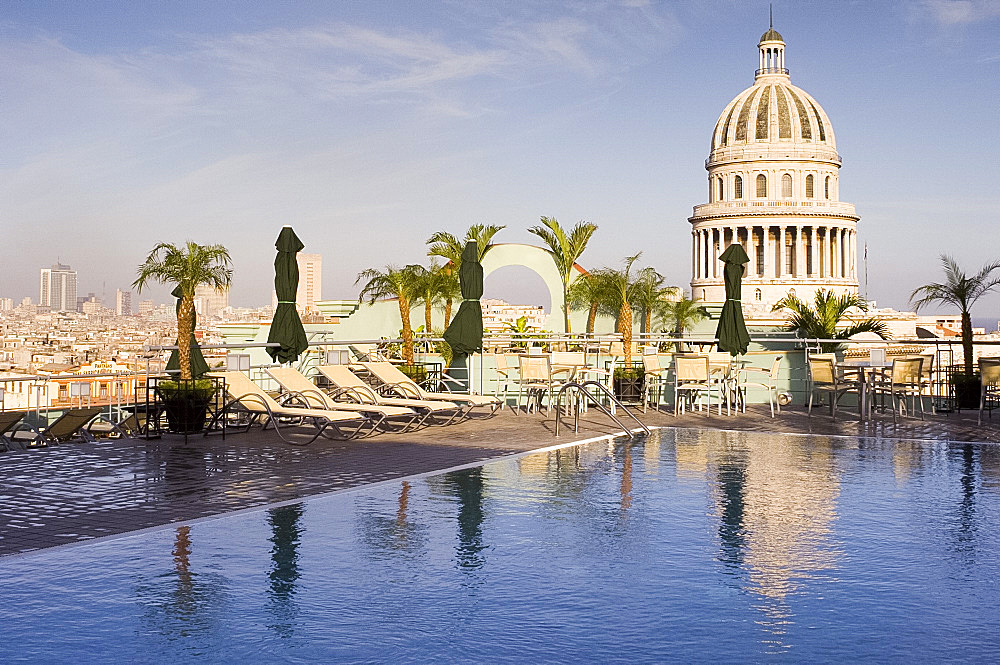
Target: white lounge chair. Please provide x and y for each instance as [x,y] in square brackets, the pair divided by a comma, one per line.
[395,380]
[349,385]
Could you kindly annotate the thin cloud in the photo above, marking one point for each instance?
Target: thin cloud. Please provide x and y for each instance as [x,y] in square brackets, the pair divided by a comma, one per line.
[958,12]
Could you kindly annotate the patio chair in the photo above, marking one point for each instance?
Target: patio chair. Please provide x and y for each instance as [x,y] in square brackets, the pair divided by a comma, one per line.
[348,385]
[70,426]
[505,374]
[989,374]
[252,401]
[766,379]
[903,381]
[535,377]
[131,426]
[371,353]
[825,377]
[8,421]
[394,380]
[299,388]
[654,379]
[691,378]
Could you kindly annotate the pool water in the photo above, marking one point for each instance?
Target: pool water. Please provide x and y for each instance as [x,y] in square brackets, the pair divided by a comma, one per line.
[690,546]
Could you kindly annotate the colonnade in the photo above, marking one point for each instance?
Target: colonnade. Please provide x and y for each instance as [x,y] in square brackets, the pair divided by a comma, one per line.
[778,251]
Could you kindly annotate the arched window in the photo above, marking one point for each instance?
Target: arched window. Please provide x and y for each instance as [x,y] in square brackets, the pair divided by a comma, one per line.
[786,186]
[722,190]
[738,187]
[809,186]
[826,187]
[757,295]
[761,186]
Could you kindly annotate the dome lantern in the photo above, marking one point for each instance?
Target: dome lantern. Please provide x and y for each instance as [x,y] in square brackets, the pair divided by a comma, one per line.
[771,49]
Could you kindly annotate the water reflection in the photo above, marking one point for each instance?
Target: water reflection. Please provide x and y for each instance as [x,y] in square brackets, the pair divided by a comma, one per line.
[285,523]
[732,481]
[384,533]
[966,532]
[184,598]
[468,487]
[625,489]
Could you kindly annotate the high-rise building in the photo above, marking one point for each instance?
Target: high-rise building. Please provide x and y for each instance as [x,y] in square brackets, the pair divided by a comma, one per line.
[209,301]
[6,304]
[58,288]
[123,303]
[773,188]
[310,289]
[146,307]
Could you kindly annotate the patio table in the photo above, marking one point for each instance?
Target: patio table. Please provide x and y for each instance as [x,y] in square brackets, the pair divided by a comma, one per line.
[867,369]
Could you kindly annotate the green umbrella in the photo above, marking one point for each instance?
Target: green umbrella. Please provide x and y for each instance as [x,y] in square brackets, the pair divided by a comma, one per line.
[465,334]
[732,331]
[286,327]
[198,364]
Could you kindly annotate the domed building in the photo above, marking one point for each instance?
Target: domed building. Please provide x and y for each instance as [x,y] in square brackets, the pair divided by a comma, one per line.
[772,187]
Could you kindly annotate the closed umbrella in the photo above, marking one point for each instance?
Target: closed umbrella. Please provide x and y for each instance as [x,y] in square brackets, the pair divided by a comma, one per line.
[465,334]
[732,331]
[286,326]
[198,364]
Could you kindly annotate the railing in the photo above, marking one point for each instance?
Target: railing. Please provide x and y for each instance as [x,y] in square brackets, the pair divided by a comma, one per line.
[771,70]
[581,389]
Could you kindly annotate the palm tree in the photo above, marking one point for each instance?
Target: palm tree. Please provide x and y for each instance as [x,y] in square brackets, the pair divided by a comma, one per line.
[961,291]
[564,250]
[683,313]
[188,267]
[647,295]
[392,282]
[430,290]
[589,292]
[824,319]
[621,289]
[448,247]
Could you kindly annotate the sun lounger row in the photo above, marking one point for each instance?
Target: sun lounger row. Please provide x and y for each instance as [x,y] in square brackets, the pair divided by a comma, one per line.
[351,410]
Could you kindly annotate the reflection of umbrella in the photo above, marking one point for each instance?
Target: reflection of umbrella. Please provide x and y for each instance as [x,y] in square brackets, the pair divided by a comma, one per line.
[286,327]
[465,334]
[198,364]
[732,331]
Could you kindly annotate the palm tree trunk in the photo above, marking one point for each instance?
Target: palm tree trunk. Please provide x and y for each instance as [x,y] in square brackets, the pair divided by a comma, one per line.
[648,324]
[428,306]
[404,314]
[566,305]
[447,312]
[625,323]
[592,317]
[185,328]
[967,342]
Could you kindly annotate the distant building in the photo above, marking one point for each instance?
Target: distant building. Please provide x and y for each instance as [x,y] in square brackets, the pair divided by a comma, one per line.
[146,307]
[498,315]
[210,302]
[310,289]
[57,288]
[123,303]
[90,297]
[6,304]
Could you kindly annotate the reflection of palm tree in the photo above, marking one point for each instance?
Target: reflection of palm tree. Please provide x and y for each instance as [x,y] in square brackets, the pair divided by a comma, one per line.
[625,490]
[967,508]
[182,566]
[285,532]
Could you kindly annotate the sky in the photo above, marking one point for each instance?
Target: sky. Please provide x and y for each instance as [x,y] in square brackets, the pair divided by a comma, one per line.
[368,126]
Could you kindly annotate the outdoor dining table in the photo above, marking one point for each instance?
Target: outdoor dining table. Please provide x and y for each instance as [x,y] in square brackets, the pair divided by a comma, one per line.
[868,369]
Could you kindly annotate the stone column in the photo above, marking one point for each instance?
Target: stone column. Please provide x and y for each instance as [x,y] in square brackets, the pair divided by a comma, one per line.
[783,249]
[813,250]
[765,241]
[800,251]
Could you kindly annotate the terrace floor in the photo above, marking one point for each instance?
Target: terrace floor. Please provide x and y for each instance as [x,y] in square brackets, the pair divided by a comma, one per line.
[75,492]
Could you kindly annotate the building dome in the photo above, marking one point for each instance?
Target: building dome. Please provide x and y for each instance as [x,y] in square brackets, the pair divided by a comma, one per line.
[773,110]
[771,35]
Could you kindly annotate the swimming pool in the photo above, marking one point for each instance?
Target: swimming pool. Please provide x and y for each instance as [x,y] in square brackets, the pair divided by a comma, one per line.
[691,546]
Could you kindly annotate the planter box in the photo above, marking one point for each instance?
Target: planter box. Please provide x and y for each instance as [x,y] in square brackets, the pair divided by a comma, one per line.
[185,405]
[627,383]
[967,391]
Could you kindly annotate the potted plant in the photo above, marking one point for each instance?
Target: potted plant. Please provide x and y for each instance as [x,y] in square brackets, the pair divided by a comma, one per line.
[187,397]
[967,389]
[627,382]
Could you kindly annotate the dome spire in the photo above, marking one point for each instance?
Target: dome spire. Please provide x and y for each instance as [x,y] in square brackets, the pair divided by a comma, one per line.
[771,51]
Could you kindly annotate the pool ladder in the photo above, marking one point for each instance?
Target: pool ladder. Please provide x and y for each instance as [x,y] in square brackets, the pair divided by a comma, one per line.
[581,389]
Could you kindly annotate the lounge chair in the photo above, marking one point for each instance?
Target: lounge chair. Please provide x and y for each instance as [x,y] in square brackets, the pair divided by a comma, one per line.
[70,426]
[253,401]
[351,386]
[131,426]
[8,421]
[298,387]
[395,380]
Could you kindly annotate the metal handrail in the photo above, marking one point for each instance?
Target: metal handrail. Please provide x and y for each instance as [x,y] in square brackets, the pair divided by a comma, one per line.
[582,387]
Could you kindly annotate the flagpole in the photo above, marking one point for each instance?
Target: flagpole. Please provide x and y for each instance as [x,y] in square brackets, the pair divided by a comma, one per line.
[866,272]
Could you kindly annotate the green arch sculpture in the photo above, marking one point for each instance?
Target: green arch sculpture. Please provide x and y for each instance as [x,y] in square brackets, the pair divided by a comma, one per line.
[535,259]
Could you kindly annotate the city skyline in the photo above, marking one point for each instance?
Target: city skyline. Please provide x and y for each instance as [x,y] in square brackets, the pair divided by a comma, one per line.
[367,128]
